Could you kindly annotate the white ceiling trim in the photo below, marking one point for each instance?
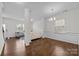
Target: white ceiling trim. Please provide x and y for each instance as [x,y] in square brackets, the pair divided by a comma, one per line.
[8,16]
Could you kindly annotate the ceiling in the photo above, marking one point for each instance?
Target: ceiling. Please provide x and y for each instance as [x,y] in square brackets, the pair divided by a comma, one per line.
[38,9]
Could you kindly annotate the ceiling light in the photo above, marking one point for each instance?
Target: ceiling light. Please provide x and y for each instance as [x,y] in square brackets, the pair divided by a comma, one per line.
[54,18]
[31,19]
[50,19]
[52,9]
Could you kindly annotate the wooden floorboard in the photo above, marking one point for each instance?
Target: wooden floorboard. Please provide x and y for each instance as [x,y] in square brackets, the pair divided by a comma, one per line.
[40,47]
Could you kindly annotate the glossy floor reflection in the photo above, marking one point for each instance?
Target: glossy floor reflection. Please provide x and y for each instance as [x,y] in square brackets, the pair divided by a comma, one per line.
[40,47]
[14,47]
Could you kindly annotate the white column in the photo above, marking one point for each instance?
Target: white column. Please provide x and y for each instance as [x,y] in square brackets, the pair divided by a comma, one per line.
[27,27]
[1,34]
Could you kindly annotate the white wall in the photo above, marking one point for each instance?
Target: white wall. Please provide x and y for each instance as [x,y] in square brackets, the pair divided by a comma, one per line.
[20,13]
[71,20]
[71,38]
[71,27]
[1,35]
[11,26]
[13,14]
[38,27]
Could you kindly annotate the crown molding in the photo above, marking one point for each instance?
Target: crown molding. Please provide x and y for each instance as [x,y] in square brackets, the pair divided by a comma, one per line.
[9,16]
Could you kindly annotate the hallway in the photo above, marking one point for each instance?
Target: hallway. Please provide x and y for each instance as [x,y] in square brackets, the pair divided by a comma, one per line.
[39,47]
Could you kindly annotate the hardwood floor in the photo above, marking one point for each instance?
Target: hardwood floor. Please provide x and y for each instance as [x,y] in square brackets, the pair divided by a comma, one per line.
[14,47]
[40,47]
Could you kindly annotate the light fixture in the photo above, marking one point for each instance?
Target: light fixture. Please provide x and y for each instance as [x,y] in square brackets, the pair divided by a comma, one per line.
[50,19]
[31,19]
[54,18]
[52,9]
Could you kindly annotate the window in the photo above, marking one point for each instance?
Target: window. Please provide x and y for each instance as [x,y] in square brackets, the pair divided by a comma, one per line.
[20,27]
[59,25]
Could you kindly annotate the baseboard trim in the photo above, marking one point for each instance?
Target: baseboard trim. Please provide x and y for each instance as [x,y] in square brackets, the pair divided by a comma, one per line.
[36,39]
[61,41]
